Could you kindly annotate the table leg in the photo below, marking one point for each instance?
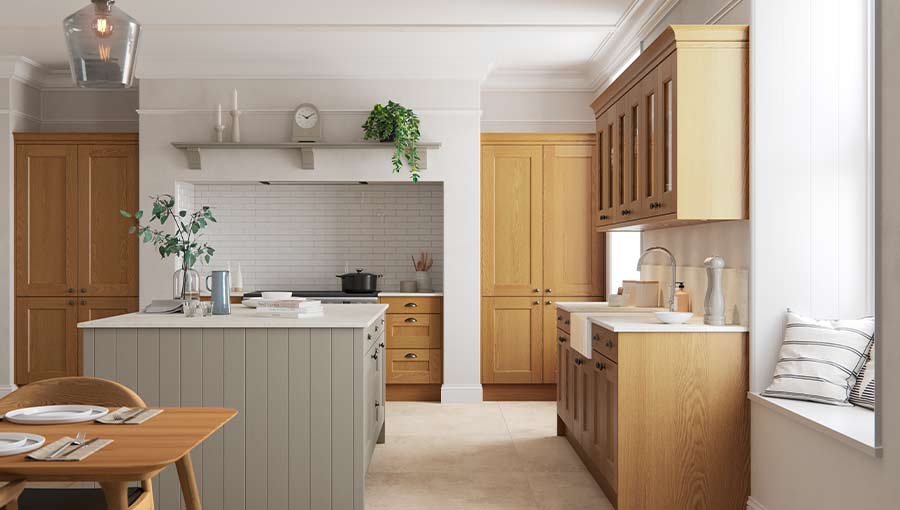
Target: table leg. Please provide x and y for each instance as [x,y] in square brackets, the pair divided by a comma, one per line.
[188,482]
[116,495]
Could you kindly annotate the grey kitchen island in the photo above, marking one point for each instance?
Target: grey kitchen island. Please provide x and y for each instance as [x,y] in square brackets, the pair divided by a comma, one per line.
[309,392]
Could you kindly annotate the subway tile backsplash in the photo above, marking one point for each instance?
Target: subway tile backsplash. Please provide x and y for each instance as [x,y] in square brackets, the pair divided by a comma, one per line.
[300,236]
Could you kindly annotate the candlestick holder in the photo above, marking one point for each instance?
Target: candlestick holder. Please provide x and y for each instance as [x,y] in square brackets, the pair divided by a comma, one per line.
[220,131]
[236,126]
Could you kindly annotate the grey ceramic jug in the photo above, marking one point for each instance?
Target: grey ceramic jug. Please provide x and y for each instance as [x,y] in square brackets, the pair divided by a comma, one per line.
[220,290]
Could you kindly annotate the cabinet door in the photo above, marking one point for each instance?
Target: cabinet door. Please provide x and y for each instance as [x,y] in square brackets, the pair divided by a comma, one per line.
[562,386]
[582,394]
[650,154]
[107,253]
[602,439]
[618,120]
[633,181]
[573,250]
[666,169]
[511,220]
[46,216]
[606,187]
[551,335]
[511,340]
[46,343]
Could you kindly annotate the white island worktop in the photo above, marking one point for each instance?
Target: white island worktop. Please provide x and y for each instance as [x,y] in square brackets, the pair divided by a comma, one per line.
[309,394]
[335,316]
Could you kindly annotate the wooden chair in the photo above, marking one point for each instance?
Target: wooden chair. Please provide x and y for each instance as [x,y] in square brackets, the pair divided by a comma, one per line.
[71,390]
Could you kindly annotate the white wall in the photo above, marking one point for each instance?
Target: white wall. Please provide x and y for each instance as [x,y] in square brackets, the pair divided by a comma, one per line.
[300,236]
[174,109]
[809,235]
[72,109]
[537,111]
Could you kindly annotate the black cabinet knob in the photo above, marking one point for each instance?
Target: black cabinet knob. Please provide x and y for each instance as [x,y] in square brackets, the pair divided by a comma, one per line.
[375,356]
[410,319]
[601,366]
[609,344]
[567,321]
[548,302]
[548,291]
[578,361]
[70,290]
[83,302]
[562,339]
[83,291]
[626,212]
[536,290]
[370,336]
[381,345]
[604,217]
[411,355]
[71,302]
[559,317]
[595,337]
[410,305]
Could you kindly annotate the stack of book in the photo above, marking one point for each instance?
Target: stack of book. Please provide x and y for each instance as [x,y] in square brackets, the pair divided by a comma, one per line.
[290,308]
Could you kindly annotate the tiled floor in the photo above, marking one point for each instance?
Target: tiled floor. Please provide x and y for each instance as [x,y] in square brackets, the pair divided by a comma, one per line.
[492,456]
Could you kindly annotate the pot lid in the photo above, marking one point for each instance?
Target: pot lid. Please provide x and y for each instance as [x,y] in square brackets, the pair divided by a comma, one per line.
[359,272]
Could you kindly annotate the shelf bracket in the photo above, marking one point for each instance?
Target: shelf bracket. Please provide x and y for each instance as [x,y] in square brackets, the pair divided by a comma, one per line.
[193,158]
[307,158]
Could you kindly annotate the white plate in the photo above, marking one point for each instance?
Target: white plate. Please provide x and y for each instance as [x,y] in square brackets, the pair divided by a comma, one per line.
[253,301]
[277,295]
[674,317]
[29,442]
[51,415]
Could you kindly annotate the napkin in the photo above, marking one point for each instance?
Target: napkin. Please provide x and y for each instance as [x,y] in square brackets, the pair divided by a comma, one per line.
[131,418]
[72,453]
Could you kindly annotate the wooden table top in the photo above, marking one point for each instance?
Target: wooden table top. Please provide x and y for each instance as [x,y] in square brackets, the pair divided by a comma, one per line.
[137,452]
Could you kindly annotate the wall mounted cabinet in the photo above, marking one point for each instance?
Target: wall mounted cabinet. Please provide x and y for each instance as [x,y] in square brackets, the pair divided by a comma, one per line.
[538,246]
[74,257]
[656,168]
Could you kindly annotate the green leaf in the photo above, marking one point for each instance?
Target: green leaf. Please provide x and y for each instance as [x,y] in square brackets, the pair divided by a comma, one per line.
[131,229]
[125,213]
[139,214]
[147,236]
[207,259]
[195,228]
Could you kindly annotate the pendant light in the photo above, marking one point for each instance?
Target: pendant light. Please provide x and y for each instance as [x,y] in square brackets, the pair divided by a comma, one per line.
[102,41]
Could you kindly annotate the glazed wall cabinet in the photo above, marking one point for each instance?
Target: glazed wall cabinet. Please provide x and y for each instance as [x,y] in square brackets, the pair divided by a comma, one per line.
[538,246]
[657,168]
[74,257]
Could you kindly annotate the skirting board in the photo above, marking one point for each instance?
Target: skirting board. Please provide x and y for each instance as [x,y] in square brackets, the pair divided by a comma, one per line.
[6,389]
[461,394]
[519,392]
[752,504]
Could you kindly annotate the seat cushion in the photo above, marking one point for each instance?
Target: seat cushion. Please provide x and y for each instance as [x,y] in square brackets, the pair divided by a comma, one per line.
[70,499]
[863,394]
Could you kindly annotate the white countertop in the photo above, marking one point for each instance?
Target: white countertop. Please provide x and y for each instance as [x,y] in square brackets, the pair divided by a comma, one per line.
[601,307]
[410,294]
[647,323]
[336,316]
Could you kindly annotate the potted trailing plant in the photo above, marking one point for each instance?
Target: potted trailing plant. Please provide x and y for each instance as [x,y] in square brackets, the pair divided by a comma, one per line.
[395,123]
[184,242]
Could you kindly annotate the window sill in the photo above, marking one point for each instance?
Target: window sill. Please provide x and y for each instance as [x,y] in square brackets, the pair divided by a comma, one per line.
[854,426]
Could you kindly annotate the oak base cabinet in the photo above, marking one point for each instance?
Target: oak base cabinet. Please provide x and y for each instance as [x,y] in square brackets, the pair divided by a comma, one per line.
[413,347]
[665,425]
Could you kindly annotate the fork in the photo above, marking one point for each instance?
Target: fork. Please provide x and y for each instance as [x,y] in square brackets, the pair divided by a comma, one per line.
[78,441]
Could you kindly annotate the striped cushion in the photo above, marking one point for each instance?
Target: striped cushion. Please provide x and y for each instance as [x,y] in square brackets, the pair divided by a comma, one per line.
[819,360]
[863,393]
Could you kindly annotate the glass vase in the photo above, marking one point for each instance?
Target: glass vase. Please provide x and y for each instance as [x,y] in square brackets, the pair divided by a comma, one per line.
[186,284]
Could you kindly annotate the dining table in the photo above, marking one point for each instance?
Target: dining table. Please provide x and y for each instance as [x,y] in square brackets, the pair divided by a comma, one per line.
[137,452]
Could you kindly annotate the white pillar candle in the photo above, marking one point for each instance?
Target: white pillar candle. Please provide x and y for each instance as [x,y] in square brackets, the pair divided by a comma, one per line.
[219,115]
[235,100]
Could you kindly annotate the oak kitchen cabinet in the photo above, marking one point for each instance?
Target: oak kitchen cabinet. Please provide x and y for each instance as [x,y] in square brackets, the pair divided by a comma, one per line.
[657,169]
[414,342]
[538,246]
[645,396]
[73,256]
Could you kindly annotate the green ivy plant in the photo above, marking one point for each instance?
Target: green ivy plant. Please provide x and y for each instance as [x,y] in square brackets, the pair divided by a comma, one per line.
[184,242]
[396,123]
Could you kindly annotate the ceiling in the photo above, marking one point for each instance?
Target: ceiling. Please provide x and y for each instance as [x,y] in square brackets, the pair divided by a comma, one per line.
[511,41]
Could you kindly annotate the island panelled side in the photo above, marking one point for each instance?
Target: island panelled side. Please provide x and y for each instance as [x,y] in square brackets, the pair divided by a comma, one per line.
[310,403]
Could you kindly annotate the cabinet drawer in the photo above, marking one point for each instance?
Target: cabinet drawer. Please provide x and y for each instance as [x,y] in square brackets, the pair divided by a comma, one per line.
[605,342]
[414,366]
[412,304]
[375,330]
[563,319]
[414,331]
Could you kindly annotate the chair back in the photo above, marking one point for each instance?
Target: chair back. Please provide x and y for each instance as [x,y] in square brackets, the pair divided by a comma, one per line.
[71,390]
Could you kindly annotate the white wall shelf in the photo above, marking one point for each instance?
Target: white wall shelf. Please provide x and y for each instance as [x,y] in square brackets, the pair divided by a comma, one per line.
[307,150]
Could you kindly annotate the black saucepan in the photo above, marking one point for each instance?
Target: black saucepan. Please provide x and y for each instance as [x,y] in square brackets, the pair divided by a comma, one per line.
[359,282]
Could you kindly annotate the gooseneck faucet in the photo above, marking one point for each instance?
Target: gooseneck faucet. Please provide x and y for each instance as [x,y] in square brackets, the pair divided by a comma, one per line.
[671,261]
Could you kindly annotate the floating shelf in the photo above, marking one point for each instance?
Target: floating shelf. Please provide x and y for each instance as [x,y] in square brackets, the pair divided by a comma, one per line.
[307,150]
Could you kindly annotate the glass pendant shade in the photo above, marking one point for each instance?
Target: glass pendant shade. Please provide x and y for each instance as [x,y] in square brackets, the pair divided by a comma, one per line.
[102,42]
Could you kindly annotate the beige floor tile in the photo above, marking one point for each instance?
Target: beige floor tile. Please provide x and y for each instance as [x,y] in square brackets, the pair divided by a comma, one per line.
[529,419]
[567,491]
[453,491]
[430,419]
[446,454]
[547,454]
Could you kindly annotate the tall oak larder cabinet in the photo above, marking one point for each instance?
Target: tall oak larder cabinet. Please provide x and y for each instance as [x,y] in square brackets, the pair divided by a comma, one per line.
[538,246]
[74,258]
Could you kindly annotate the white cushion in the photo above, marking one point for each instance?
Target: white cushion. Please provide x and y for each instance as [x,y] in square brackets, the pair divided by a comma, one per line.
[863,393]
[820,360]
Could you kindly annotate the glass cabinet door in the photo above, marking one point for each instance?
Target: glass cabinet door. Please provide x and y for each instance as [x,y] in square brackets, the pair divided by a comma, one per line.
[604,185]
[666,171]
[630,207]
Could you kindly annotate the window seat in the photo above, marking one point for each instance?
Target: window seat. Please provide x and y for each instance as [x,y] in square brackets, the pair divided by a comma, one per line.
[854,426]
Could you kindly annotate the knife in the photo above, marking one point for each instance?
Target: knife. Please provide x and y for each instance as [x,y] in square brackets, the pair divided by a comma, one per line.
[82,445]
[131,413]
[135,416]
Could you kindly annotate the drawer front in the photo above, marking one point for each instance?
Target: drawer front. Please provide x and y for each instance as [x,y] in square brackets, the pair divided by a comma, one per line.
[414,366]
[563,320]
[414,331]
[605,342]
[412,304]
[375,331]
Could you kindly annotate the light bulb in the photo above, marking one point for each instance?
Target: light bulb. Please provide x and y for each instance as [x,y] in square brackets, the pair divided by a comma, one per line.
[102,27]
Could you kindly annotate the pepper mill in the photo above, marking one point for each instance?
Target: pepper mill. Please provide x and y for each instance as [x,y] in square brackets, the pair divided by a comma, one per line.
[714,306]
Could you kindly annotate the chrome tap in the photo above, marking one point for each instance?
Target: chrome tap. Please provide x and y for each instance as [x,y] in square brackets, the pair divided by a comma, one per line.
[671,261]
